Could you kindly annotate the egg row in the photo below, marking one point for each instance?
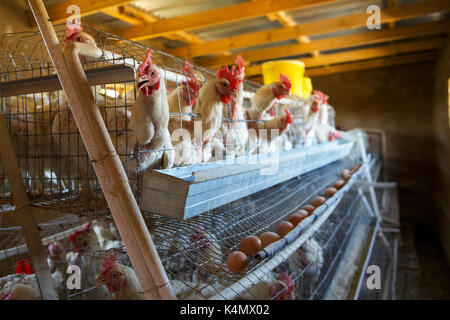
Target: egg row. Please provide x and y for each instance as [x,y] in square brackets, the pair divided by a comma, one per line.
[237,261]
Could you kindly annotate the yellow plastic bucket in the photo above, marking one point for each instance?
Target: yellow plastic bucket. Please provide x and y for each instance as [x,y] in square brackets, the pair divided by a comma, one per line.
[307,87]
[294,69]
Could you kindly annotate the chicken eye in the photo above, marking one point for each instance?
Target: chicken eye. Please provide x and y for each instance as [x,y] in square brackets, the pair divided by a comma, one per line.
[153,73]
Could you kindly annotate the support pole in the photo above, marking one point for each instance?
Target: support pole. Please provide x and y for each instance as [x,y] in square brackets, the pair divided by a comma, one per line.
[373,196]
[24,214]
[106,163]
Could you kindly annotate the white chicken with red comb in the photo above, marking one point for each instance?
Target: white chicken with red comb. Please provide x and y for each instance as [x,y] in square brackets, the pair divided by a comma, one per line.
[75,33]
[318,128]
[119,279]
[212,97]
[234,134]
[183,98]
[150,119]
[262,101]
[84,243]
[272,286]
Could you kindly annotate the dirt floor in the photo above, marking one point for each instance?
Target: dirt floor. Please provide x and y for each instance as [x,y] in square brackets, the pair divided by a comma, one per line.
[423,272]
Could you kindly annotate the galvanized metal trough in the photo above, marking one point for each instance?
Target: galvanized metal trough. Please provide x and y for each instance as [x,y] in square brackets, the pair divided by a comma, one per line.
[185,192]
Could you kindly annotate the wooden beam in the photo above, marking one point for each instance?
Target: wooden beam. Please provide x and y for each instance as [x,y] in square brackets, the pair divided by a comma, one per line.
[136,16]
[286,20]
[119,13]
[214,17]
[369,37]
[376,63]
[58,12]
[311,28]
[363,54]
[24,214]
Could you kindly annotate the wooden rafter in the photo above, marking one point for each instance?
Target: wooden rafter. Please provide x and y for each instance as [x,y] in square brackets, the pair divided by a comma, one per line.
[58,12]
[376,63]
[287,21]
[311,28]
[369,37]
[214,17]
[136,16]
[363,54]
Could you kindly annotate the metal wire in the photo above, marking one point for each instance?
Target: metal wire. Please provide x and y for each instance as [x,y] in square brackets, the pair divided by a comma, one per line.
[58,174]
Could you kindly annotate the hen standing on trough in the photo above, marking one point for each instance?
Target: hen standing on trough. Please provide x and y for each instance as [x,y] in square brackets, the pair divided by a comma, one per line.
[150,118]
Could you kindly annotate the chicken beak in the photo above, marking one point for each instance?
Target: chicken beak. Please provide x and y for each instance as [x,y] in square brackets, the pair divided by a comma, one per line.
[100,281]
[142,82]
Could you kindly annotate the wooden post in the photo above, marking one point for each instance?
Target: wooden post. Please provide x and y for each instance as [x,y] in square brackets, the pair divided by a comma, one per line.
[25,217]
[106,162]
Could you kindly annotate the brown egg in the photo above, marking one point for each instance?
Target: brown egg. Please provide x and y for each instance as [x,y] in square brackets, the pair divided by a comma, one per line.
[309,208]
[345,173]
[318,201]
[250,245]
[329,192]
[339,184]
[284,228]
[356,168]
[297,217]
[268,237]
[237,261]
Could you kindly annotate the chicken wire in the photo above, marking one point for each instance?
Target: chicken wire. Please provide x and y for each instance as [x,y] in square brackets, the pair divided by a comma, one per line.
[384,255]
[344,248]
[12,242]
[55,166]
[200,274]
[55,178]
[13,252]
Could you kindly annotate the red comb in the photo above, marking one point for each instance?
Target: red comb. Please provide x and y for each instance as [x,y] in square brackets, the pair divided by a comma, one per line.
[82,231]
[321,97]
[240,66]
[9,296]
[146,63]
[272,111]
[109,261]
[289,118]
[72,29]
[23,266]
[86,227]
[230,75]
[287,279]
[191,80]
[284,79]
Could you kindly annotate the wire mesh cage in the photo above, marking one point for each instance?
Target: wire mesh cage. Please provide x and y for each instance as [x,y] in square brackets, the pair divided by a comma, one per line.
[52,157]
[58,173]
[384,256]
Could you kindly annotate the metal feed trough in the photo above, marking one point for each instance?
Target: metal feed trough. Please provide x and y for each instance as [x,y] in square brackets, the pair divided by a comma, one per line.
[185,192]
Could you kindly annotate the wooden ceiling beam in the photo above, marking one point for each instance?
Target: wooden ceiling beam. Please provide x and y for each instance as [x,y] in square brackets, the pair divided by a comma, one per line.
[362,54]
[217,16]
[369,37]
[58,12]
[376,63]
[136,17]
[311,28]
